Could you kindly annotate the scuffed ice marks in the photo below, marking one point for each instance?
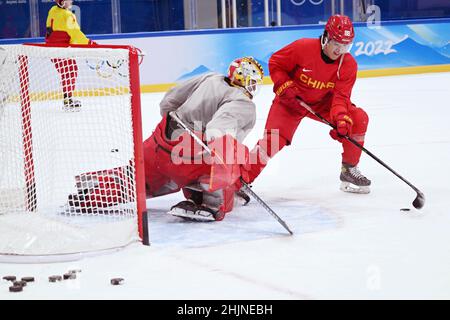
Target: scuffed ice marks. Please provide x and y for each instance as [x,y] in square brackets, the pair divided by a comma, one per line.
[242,224]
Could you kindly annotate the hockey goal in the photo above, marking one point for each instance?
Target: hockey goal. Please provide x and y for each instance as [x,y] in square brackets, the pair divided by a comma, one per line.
[71,159]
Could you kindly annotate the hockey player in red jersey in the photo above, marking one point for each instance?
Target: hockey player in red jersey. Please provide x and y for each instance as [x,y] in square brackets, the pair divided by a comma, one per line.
[321,73]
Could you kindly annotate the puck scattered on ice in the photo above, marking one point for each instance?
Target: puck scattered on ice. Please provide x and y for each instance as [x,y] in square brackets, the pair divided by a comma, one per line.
[28,279]
[75,271]
[54,278]
[405,209]
[117,281]
[67,276]
[9,278]
[15,289]
[20,283]
[114,150]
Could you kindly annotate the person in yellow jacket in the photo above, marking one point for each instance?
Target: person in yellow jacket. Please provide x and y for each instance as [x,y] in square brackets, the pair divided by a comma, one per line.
[63,29]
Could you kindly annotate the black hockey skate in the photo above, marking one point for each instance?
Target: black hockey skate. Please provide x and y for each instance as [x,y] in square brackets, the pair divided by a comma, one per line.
[242,197]
[353,181]
[188,210]
[71,105]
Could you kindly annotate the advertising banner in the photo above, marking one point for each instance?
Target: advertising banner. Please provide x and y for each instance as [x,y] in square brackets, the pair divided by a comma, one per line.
[420,45]
[173,58]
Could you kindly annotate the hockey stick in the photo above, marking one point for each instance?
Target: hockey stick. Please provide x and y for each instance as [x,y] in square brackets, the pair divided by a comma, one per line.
[418,202]
[244,184]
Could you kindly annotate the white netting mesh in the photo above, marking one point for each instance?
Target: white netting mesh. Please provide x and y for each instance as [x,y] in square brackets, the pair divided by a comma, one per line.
[67,154]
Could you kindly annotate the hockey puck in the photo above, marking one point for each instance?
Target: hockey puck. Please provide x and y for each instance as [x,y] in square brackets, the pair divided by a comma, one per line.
[68,276]
[20,283]
[9,278]
[117,281]
[75,271]
[28,279]
[15,289]
[54,278]
[405,209]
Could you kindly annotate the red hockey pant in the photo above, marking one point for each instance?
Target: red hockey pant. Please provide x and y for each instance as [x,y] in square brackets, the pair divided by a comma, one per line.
[68,71]
[163,176]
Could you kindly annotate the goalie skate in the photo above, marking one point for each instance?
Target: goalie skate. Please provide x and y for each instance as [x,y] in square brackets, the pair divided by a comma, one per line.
[353,181]
[188,210]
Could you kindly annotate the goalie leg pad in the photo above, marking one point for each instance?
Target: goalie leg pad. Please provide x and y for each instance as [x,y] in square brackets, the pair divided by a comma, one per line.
[102,189]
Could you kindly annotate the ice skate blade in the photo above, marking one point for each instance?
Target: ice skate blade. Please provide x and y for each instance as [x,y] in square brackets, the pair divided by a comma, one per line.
[351,188]
[177,212]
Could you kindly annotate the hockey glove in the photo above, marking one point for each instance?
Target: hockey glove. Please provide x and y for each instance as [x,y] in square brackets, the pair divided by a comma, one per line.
[288,93]
[343,127]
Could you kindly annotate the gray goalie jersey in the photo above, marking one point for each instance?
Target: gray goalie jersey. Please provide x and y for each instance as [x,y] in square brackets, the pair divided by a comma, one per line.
[209,104]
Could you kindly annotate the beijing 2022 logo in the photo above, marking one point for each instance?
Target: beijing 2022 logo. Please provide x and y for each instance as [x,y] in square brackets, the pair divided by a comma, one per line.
[301,2]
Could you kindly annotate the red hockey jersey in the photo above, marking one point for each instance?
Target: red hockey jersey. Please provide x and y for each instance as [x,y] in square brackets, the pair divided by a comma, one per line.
[320,83]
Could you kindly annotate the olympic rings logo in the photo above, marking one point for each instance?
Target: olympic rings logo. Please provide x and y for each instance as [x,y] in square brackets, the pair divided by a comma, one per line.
[301,2]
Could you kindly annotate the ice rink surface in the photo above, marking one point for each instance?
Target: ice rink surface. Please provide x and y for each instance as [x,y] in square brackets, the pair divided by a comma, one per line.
[345,246]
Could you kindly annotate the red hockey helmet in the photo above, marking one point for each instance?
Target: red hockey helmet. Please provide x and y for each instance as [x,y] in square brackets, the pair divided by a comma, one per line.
[340,29]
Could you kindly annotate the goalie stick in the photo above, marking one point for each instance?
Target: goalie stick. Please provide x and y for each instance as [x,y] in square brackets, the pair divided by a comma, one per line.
[418,202]
[244,184]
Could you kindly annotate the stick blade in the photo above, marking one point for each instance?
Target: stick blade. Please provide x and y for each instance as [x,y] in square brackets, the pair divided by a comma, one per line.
[419,201]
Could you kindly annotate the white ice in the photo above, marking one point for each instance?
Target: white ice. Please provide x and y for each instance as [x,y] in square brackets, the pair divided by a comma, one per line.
[345,246]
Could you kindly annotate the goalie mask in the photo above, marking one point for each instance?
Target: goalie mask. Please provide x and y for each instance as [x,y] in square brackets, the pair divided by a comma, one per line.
[247,73]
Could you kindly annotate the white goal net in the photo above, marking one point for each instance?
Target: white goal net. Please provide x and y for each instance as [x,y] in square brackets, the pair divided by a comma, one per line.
[71,164]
